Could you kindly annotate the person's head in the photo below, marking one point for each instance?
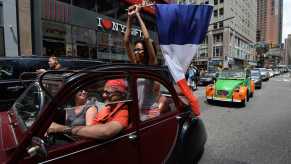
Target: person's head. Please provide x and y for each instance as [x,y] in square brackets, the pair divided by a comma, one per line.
[53,62]
[114,90]
[140,51]
[81,97]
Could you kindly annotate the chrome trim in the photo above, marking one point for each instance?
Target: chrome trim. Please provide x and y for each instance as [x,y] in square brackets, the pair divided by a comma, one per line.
[11,125]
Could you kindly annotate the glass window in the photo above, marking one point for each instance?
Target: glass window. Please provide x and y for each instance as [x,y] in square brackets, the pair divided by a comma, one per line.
[215,13]
[84,41]
[6,71]
[2,43]
[65,1]
[215,2]
[221,11]
[88,4]
[1,14]
[154,99]
[56,39]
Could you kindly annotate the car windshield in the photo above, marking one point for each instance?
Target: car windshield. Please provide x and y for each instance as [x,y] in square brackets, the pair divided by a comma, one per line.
[29,105]
[255,73]
[231,74]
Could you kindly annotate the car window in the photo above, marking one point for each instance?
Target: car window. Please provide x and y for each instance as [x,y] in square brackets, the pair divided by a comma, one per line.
[154,99]
[85,106]
[6,71]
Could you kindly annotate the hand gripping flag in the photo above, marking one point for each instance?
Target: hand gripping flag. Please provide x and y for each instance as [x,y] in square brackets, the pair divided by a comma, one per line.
[181,29]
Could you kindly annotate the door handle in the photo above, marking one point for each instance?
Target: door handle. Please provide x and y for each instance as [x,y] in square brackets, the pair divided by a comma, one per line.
[15,88]
[132,137]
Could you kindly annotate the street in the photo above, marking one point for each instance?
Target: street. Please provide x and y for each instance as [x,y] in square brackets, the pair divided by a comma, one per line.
[259,133]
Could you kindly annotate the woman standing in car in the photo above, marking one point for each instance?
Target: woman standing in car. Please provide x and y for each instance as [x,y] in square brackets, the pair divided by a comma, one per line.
[144,50]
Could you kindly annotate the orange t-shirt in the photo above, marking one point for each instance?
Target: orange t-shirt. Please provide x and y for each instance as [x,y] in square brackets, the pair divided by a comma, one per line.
[119,114]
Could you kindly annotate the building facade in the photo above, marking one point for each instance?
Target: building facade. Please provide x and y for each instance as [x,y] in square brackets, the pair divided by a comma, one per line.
[287,52]
[8,28]
[85,29]
[269,21]
[231,35]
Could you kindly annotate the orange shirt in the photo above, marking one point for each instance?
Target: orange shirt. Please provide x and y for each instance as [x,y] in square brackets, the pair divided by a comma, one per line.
[119,114]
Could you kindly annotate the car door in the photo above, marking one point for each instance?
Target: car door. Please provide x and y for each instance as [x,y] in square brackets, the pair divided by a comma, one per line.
[158,124]
[122,148]
[10,85]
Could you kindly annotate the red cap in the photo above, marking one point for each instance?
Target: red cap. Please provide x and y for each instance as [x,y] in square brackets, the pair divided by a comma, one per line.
[117,85]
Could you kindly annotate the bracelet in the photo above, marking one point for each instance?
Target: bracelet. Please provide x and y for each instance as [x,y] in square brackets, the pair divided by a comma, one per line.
[68,130]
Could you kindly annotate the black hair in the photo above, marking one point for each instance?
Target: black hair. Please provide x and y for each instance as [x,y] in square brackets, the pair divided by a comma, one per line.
[146,55]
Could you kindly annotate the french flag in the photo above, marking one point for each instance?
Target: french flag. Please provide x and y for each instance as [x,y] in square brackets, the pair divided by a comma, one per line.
[181,29]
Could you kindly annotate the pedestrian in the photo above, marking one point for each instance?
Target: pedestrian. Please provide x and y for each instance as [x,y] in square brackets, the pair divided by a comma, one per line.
[54,64]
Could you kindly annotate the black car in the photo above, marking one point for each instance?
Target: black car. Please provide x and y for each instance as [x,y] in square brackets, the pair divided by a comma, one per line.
[256,77]
[11,68]
[206,79]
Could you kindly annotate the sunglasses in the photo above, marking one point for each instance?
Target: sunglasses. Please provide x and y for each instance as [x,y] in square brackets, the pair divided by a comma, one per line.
[138,50]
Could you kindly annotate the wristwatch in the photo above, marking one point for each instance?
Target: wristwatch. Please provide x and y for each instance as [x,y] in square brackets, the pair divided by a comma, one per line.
[68,130]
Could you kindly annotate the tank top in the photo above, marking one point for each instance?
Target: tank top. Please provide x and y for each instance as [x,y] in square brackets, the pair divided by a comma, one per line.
[73,119]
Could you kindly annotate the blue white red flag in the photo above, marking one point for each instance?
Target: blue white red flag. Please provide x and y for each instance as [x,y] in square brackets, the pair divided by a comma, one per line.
[181,29]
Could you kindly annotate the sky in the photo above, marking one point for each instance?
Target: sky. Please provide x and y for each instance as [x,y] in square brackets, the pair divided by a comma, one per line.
[286,19]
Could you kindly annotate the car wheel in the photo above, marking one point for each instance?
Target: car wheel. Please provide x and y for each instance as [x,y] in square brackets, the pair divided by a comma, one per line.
[199,156]
[252,94]
[243,103]
[248,96]
[209,101]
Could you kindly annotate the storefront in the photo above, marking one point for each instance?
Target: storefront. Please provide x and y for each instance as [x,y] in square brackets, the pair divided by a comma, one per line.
[69,30]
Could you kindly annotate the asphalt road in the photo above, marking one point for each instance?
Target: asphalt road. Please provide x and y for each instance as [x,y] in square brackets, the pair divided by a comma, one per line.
[259,133]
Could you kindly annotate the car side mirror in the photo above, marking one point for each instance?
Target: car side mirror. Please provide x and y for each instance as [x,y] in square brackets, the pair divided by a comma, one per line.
[37,148]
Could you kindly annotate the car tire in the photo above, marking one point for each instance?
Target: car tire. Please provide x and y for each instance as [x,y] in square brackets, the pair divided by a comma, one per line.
[199,156]
[209,101]
[243,103]
[248,96]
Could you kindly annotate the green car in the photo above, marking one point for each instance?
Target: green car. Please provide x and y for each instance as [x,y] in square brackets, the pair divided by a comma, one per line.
[231,86]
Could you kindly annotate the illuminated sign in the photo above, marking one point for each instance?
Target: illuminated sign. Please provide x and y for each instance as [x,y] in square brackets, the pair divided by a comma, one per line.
[108,24]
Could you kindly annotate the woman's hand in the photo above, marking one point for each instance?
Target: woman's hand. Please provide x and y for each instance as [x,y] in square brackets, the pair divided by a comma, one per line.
[54,128]
[131,11]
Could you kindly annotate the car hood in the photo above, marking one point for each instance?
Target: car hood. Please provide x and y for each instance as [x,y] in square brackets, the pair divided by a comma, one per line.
[227,84]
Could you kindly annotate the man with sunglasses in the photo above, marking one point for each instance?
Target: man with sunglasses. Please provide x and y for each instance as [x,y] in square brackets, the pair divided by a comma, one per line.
[109,121]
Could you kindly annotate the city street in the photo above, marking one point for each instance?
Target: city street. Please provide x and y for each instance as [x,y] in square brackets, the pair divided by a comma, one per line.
[256,134]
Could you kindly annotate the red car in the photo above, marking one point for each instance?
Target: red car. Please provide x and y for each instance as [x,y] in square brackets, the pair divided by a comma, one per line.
[173,135]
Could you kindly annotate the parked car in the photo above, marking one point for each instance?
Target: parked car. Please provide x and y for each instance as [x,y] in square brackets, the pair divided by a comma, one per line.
[264,74]
[11,86]
[271,72]
[231,86]
[206,79]
[174,136]
[256,77]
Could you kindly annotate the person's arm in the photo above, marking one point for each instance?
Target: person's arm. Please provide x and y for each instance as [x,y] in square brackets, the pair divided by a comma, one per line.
[148,42]
[127,34]
[100,131]
[90,115]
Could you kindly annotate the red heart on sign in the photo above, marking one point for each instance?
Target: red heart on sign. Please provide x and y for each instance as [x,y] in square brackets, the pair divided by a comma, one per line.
[106,23]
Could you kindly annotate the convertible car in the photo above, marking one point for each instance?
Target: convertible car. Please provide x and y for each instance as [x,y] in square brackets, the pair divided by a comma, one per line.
[231,86]
[172,135]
